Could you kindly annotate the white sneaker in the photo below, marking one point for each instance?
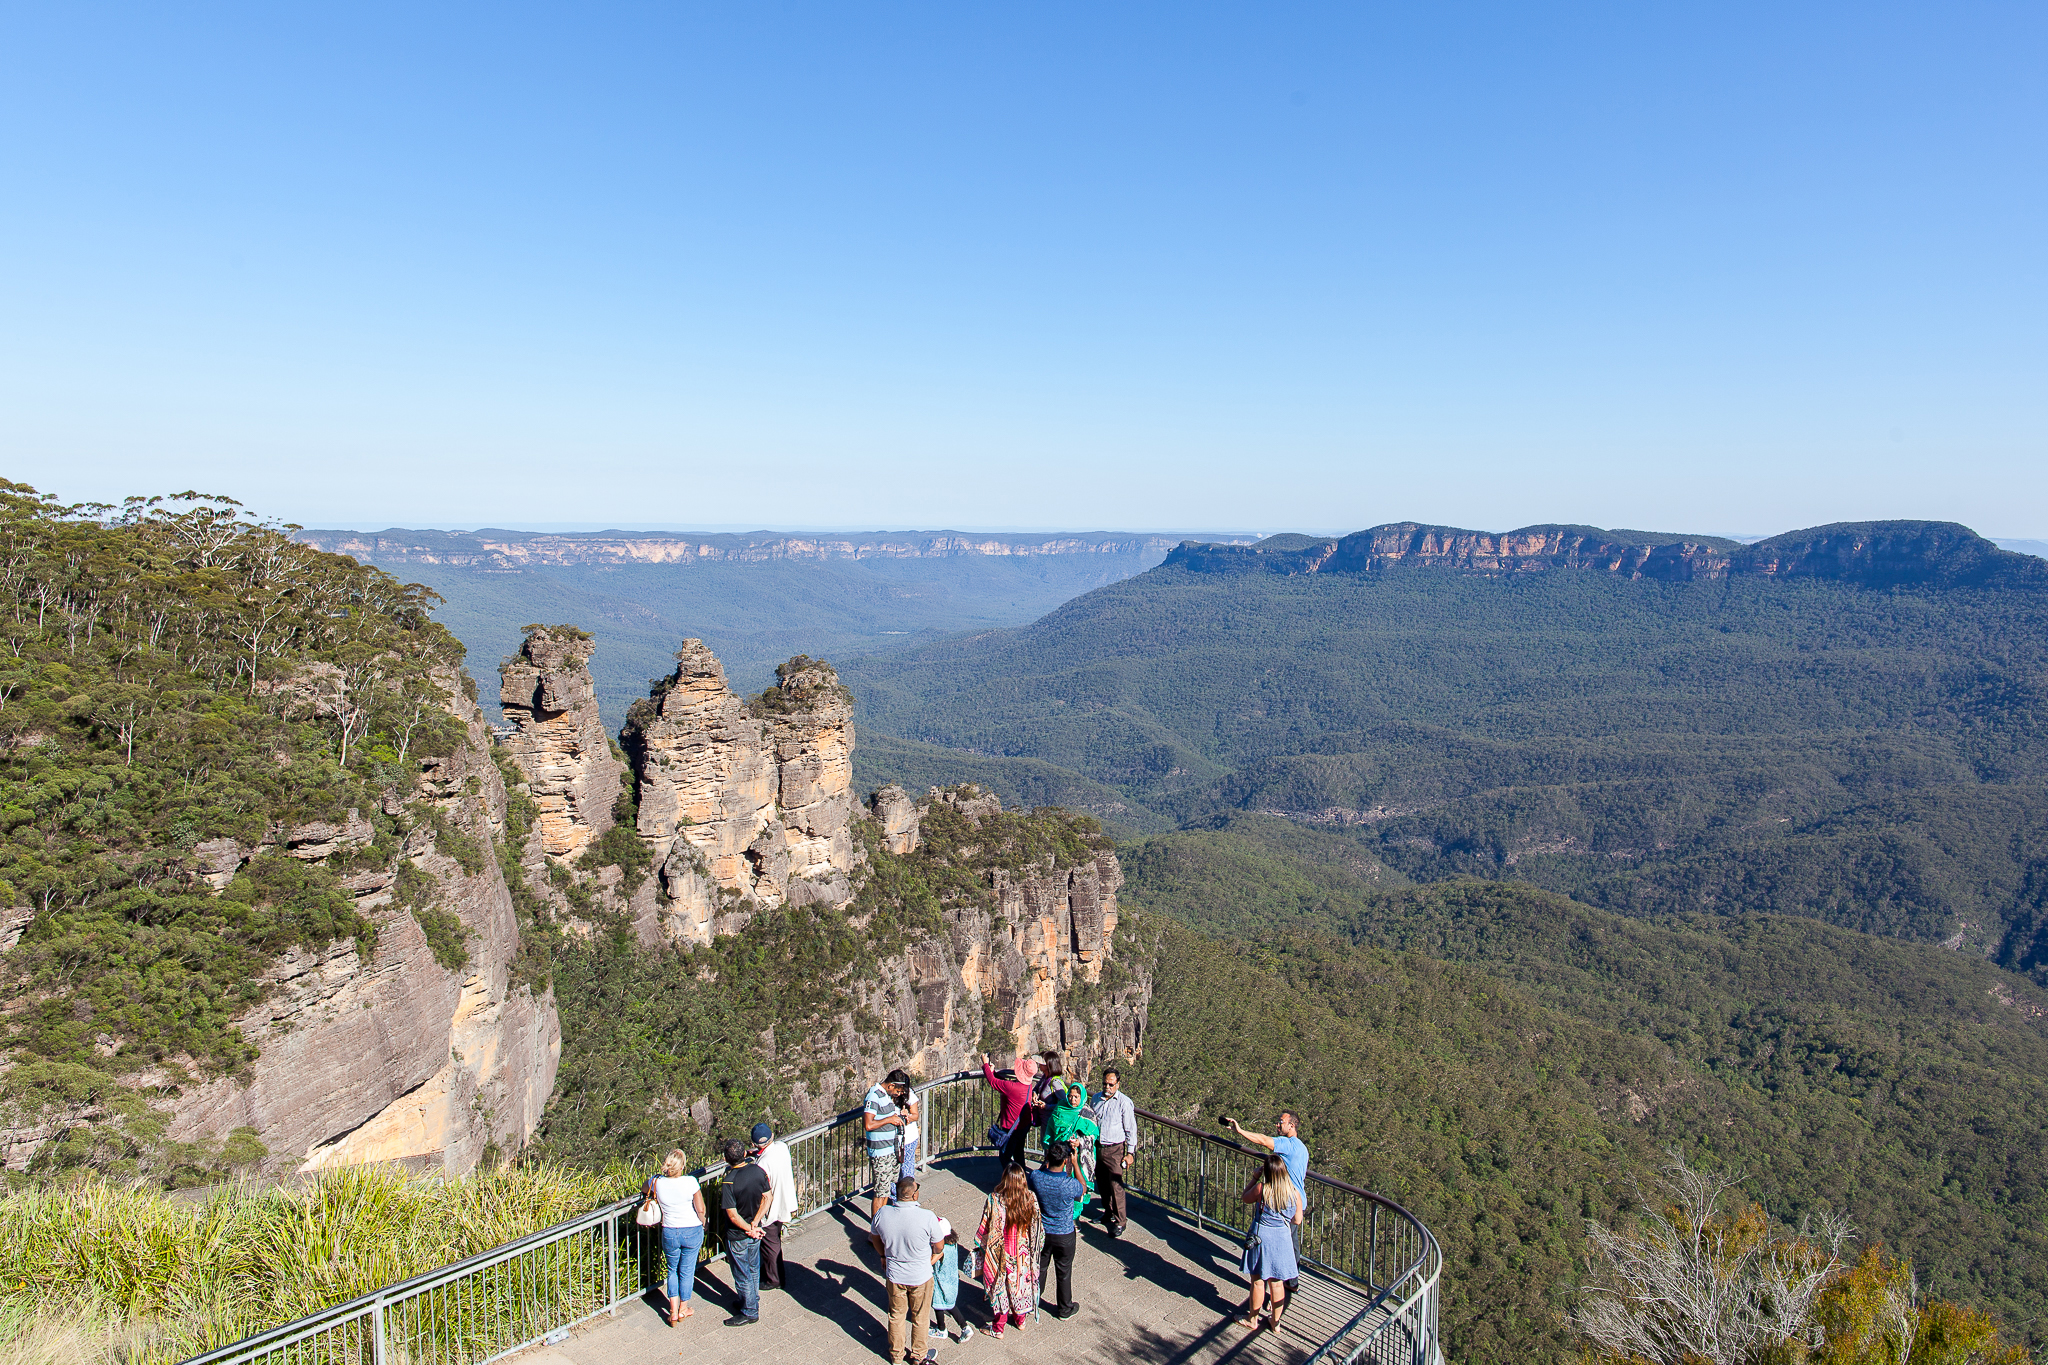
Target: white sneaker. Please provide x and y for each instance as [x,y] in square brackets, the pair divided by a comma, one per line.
[966,1331]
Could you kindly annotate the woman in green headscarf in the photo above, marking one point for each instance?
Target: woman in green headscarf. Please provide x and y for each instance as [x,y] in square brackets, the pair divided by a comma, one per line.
[1069,1120]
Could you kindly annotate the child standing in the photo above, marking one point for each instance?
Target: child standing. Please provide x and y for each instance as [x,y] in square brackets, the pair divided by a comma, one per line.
[946,1285]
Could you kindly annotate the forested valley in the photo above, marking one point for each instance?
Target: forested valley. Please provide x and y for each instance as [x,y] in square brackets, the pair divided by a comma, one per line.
[1522,880]
[1509,885]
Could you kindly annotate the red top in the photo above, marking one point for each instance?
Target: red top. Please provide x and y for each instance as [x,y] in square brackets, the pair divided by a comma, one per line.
[1016,1095]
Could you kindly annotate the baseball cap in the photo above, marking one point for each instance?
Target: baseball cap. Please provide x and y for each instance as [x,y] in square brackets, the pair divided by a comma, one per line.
[762,1132]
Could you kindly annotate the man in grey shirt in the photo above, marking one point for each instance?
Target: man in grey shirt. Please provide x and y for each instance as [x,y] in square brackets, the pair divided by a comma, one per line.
[1115,1149]
[909,1242]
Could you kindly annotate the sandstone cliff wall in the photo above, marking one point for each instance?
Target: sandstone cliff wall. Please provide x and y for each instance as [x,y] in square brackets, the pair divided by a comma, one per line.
[1876,554]
[380,1053]
[517,549]
[1028,966]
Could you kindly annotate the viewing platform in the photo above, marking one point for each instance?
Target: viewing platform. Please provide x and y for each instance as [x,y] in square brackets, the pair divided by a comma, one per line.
[1165,1293]
[588,1291]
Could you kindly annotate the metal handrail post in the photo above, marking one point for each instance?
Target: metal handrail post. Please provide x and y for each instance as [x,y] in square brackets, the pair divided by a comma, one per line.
[377,1332]
[1201,1183]
[611,1256]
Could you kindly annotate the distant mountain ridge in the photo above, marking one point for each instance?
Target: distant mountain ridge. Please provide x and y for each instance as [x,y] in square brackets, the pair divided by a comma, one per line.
[495,548]
[1872,553]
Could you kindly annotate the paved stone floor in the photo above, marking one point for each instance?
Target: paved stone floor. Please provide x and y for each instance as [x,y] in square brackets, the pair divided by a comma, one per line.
[1164,1294]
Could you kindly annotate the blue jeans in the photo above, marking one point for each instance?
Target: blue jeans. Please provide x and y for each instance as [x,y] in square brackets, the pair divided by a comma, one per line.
[682,1245]
[745,1254]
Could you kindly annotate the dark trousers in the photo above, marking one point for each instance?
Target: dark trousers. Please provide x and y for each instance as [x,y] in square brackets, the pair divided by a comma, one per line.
[771,1257]
[1013,1150]
[1295,1283]
[1109,1183]
[1059,1249]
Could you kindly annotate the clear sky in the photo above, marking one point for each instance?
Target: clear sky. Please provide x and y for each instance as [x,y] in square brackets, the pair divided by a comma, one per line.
[1733,267]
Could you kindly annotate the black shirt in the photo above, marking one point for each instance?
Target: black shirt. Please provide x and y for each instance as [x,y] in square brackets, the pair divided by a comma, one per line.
[744,1190]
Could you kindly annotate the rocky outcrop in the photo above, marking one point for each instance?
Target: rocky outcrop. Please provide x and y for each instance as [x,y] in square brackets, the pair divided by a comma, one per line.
[1028,965]
[892,809]
[558,740]
[378,1052]
[1871,554]
[744,806]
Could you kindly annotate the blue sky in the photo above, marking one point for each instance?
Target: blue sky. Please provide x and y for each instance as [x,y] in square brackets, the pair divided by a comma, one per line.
[1724,267]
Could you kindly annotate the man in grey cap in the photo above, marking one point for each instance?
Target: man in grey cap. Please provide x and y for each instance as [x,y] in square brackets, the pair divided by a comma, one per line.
[774,1159]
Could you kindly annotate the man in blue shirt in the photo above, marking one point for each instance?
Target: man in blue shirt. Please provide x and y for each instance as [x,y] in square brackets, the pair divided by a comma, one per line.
[1288,1146]
[1060,1193]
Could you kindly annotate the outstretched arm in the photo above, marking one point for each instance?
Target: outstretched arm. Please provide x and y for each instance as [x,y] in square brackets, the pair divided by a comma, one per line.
[1256,1139]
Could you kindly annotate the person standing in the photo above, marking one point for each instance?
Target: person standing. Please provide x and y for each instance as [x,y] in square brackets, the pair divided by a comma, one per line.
[774,1159]
[1288,1146]
[910,1133]
[910,1242]
[883,1117]
[1269,1255]
[745,1199]
[681,1200]
[1059,1193]
[1014,1119]
[1011,1237]
[1068,1119]
[1116,1149]
[1043,1084]
[946,1285]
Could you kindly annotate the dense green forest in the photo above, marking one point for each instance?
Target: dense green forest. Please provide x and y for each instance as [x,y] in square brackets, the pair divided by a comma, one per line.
[1902,1084]
[1875,757]
[174,673]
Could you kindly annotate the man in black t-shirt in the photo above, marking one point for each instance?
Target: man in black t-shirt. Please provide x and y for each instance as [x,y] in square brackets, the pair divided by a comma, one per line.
[746,1191]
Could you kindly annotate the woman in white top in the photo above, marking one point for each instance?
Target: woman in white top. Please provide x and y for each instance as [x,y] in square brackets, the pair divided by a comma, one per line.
[909,1162]
[682,1230]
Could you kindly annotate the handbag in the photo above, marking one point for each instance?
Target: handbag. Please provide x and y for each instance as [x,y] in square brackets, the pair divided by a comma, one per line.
[650,1212]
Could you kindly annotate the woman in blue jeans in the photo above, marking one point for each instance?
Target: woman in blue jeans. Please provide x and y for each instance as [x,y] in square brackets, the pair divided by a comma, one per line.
[682,1230]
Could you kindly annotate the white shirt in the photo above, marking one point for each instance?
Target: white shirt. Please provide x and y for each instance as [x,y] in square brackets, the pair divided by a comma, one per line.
[677,1195]
[781,1182]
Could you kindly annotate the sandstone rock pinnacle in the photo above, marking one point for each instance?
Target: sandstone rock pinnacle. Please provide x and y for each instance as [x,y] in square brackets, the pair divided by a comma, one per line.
[896,813]
[559,740]
[744,805]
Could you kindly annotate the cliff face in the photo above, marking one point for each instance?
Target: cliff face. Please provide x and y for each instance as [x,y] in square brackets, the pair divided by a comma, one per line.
[1875,554]
[558,739]
[1025,964]
[379,1052]
[524,549]
[744,806]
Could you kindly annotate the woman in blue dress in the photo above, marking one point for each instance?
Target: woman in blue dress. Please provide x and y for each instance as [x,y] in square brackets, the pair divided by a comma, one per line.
[1269,1252]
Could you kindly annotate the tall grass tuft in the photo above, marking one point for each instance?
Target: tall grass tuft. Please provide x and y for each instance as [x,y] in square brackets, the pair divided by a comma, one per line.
[100,1273]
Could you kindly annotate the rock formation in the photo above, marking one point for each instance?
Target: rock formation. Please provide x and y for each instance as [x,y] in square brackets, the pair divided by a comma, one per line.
[558,739]
[1874,554]
[1026,966]
[896,813]
[745,806]
[378,1052]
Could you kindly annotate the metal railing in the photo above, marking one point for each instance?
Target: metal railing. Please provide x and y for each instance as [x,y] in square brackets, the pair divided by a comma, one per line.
[536,1288]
